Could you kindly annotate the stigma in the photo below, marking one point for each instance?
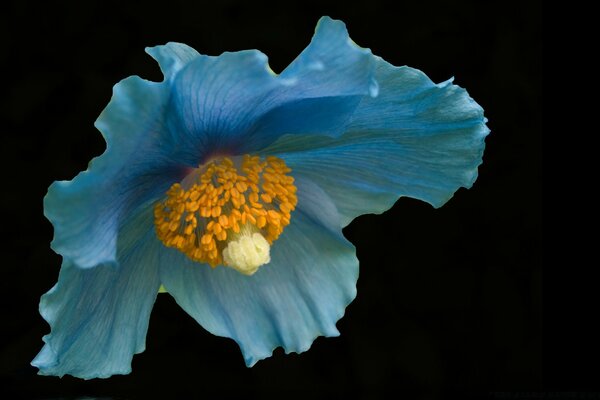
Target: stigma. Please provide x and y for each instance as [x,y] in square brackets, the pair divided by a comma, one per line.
[228,212]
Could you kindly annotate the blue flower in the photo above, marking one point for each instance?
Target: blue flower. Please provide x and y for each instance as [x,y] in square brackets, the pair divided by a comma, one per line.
[229,186]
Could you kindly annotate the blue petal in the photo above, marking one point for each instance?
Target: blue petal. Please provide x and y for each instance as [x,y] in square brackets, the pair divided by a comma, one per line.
[172,57]
[214,100]
[332,75]
[298,296]
[99,316]
[416,139]
[86,211]
[235,103]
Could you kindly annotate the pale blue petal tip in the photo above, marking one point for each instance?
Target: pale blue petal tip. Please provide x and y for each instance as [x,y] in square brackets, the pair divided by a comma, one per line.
[172,57]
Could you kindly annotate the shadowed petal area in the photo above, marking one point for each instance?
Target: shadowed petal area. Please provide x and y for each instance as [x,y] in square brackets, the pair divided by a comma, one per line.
[415,139]
[235,103]
[298,296]
[332,75]
[87,210]
[215,100]
[99,316]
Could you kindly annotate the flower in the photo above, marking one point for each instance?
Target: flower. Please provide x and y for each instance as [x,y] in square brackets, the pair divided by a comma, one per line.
[229,185]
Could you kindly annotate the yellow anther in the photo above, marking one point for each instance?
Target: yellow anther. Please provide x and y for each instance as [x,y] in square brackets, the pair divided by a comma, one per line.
[286,207]
[221,235]
[261,221]
[253,197]
[192,206]
[223,220]
[206,239]
[273,214]
[217,228]
[280,189]
[270,177]
[241,187]
[228,201]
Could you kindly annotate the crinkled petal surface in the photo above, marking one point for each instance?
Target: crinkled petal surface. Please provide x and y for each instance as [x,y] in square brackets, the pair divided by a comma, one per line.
[416,139]
[298,296]
[88,211]
[99,316]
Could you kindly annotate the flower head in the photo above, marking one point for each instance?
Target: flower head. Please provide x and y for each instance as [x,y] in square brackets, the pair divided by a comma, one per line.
[229,186]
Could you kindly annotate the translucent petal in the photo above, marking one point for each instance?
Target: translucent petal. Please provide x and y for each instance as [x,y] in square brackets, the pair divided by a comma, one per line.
[99,316]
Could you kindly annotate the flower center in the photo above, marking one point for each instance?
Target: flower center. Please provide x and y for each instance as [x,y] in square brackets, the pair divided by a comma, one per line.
[228,212]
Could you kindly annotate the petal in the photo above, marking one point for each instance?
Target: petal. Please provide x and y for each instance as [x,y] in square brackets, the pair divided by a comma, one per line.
[416,139]
[298,296]
[332,75]
[172,57]
[214,100]
[99,316]
[86,211]
[332,55]
[235,103]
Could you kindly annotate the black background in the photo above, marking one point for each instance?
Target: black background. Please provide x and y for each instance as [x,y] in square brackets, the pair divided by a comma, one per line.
[449,300]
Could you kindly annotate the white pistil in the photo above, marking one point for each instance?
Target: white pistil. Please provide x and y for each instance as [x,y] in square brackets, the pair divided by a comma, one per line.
[247,252]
